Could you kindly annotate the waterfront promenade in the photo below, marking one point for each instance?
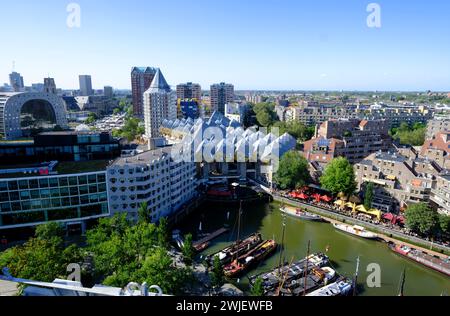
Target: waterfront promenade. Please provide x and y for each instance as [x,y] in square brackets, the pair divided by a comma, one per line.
[384,232]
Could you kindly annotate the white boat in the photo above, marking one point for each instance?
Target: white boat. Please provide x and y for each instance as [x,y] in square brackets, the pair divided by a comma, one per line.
[341,287]
[300,214]
[356,231]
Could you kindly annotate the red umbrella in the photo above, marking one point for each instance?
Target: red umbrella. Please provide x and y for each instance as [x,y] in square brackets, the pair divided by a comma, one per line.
[326,198]
[303,196]
[317,197]
[388,216]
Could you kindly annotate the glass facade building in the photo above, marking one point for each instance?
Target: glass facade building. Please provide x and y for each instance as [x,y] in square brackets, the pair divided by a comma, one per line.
[71,197]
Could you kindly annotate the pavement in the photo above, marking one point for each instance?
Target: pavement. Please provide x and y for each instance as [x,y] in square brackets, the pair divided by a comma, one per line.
[8,288]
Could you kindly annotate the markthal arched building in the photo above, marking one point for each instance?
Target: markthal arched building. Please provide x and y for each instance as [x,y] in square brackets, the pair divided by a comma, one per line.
[29,113]
[224,149]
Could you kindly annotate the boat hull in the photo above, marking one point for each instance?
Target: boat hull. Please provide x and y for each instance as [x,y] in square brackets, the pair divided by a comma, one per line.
[303,216]
[423,263]
[369,236]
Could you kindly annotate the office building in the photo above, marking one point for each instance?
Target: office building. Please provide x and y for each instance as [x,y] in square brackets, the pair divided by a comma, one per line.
[189,91]
[141,79]
[50,85]
[16,82]
[60,146]
[36,195]
[221,94]
[86,85]
[159,104]
[108,92]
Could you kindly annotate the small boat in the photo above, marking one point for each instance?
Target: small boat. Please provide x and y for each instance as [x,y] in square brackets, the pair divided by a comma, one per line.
[423,258]
[236,249]
[289,272]
[244,262]
[201,247]
[356,231]
[298,213]
[341,287]
[315,279]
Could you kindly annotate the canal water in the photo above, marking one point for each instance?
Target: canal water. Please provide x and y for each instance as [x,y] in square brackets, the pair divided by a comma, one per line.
[343,249]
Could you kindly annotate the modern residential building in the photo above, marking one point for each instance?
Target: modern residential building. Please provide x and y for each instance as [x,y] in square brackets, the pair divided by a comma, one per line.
[438,149]
[50,85]
[26,114]
[312,113]
[153,177]
[60,146]
[352,139]
[86,85]
[100,105]
[35,195]
[221,94]
[224,151]
[440,194]
[189,91]
[108,92]
[436,126]
[253,98]
[16,82]
[159,104]
[398,181]
[141,79]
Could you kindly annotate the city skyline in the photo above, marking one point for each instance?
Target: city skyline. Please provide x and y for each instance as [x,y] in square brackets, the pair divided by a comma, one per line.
[311,46]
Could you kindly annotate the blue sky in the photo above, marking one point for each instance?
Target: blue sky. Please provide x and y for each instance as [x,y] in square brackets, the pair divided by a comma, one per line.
[255,44]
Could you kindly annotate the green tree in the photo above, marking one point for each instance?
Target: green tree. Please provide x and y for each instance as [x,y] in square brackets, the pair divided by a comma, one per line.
[444,223]
[421,218]
[368,196]
[296,129]
[217,274]
[42,258]
[258,288]
[163,233]
[188,250]
[293,171]
[92,117]
[143,213]
[339,176]
[50,231]
[264,118]
[265,113]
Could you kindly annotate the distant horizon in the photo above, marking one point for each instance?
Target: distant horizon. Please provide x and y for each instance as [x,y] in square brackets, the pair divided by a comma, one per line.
[323,45]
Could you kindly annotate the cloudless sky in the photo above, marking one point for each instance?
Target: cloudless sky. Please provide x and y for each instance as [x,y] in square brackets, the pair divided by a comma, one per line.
[254,44]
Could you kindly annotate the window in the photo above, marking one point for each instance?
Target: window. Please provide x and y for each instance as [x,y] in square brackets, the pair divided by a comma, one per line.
[43,183]
[12,185]
[82,180]
[23,184]
[63,182]
[53,182]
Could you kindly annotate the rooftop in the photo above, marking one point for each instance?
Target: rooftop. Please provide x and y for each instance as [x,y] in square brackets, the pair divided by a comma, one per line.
[143,158]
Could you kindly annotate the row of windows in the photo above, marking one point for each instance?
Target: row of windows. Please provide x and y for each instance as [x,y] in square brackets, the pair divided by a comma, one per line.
[47,193]
[52,203]
[51,182]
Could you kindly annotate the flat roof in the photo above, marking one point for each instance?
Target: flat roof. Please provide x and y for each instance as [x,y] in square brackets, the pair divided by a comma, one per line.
[144,157]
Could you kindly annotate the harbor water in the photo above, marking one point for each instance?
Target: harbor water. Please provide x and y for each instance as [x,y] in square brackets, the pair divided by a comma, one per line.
[343,249]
